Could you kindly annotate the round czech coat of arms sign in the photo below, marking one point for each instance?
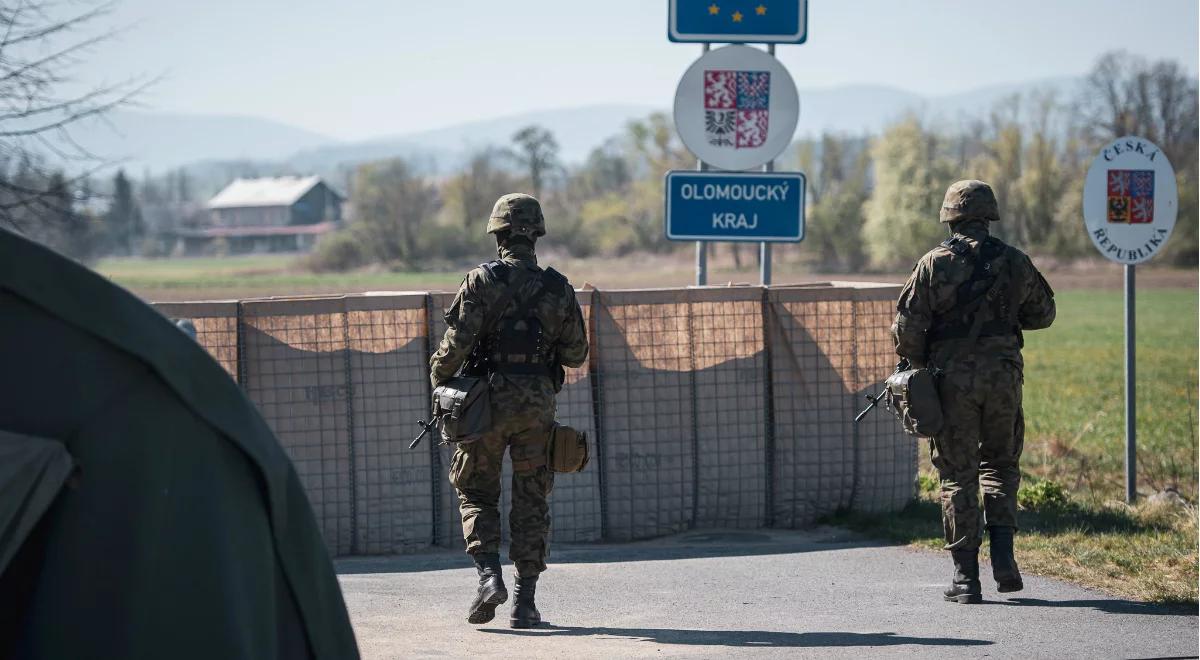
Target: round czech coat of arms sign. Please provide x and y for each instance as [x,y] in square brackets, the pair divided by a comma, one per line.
[1130,200]
[736,108]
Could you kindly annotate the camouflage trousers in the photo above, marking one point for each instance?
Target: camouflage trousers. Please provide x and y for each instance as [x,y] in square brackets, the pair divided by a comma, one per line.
[475,473]
[980,446]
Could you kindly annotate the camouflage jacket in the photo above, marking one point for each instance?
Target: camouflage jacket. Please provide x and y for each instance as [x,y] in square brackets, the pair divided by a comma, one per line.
[930,296]
[558,311]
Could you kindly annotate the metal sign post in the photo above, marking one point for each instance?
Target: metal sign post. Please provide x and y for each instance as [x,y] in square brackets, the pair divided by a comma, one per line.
[1130,387]
[736,108]
[701,246]
[764,248]
[1130,202]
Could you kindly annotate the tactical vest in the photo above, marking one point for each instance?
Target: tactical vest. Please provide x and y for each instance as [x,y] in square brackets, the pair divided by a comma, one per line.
[998,308]
[517,342]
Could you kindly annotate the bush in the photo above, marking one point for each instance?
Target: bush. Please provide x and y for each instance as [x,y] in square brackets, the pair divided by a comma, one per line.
[1041,494]
[928,483]
[219,247]
[337,252]
[155,247]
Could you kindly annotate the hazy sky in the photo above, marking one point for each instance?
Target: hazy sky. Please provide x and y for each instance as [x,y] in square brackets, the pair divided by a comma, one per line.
[362,68]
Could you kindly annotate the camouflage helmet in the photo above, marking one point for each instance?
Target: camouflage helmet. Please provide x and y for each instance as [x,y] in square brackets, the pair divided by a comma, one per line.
[969,199]
[518,212]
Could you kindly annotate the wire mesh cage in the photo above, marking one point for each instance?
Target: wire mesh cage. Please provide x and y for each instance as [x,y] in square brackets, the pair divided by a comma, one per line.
[216,326]
[707,407]
[644,366]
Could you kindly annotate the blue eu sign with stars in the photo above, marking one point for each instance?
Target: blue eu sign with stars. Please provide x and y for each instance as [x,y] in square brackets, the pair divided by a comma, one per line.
[760,207]
[739,21]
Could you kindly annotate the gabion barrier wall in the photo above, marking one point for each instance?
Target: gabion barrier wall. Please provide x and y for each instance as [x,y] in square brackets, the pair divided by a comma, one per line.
[709,407]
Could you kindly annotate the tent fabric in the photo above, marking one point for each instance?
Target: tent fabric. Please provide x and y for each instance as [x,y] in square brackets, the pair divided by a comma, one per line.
[32,471]
[187,532]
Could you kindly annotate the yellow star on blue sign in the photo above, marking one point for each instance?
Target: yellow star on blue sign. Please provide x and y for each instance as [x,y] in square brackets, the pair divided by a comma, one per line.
[738,21]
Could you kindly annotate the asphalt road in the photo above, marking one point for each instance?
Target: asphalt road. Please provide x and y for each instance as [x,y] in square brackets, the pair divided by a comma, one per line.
[733,594]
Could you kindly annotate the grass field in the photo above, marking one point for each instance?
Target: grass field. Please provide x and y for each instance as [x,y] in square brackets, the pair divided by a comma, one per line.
[209,278]
[1074,394]
[205,278]
[1074,410]
[254,276]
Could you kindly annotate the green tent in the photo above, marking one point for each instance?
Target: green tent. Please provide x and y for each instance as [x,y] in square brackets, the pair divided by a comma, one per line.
[146,509]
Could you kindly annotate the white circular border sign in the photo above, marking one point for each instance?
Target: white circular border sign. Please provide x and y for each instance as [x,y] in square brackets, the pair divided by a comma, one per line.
[736,108]
[1130,200]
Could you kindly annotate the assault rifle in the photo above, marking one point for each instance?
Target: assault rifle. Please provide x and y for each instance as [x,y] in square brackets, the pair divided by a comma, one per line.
[873,401]
[426,429]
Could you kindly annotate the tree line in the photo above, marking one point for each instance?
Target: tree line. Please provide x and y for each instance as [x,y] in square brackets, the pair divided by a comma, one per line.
[872,200]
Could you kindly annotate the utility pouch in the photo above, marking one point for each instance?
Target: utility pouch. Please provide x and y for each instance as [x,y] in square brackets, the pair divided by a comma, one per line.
[568,449]
[912,396]
[462,408]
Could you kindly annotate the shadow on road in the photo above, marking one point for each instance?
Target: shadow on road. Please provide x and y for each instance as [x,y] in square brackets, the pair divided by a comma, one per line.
[743,638]
[1109,606]
[690,545]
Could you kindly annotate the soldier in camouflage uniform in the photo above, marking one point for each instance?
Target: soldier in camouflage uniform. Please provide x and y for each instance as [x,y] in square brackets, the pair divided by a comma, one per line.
[522,352]
[963,311]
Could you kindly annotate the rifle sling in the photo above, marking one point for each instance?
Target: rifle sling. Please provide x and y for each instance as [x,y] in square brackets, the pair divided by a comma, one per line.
[973,309]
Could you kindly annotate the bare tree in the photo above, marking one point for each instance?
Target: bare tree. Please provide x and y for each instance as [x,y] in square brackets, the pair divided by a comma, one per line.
[391,205]
[1126,95]
[537,150]
[475,189]
[42,42]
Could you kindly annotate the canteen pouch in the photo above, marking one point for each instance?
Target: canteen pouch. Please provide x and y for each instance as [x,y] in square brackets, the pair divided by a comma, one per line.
[567,450]
[913,397]
[463,409]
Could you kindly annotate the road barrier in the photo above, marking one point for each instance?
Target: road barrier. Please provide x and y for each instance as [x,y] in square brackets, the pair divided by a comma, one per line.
[709,407]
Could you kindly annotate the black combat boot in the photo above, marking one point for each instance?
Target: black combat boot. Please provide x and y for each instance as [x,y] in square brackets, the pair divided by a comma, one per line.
[491,592]
[964,588]
[1004,564]
[524,612]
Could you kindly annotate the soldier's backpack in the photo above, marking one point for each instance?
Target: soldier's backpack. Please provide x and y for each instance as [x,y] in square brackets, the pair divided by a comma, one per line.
[518,346]
[912,394]
[462,407]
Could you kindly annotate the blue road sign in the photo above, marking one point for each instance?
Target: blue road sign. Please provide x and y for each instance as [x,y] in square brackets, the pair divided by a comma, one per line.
[738,21]
[758,207]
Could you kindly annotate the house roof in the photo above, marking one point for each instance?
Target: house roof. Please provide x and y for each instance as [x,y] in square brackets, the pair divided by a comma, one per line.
[276,191]
[231,232]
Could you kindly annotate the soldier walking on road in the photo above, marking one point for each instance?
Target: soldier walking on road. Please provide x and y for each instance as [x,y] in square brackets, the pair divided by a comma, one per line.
[963,311]
[534,329]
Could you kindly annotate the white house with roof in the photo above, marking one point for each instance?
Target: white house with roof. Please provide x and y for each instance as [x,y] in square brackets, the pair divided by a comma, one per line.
[277,214]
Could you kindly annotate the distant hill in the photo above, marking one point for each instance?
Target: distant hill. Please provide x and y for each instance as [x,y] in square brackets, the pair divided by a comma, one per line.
[578,131]
[219,144]
[870,108]
[157,142]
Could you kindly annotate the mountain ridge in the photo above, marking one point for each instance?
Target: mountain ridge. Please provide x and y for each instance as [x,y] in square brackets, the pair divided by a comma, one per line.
[156,142]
